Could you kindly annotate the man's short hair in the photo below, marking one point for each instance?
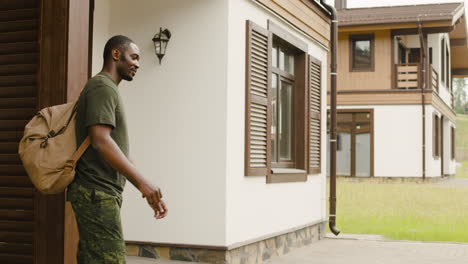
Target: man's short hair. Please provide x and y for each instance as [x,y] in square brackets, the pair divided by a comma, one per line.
[116,42]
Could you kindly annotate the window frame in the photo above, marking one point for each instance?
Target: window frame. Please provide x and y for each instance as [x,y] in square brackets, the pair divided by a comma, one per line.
[452,143]
[360,37]
[298,166]
[436,122]
[442,59]
[447,68]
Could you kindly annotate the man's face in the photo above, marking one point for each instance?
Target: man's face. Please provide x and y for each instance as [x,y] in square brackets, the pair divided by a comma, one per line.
[129,62]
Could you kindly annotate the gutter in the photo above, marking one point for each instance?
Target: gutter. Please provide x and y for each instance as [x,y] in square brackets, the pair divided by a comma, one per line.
[424,78]
[333,123]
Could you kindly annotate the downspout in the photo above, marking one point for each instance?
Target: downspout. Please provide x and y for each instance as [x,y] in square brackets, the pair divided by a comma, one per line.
[423,99]
[333,125]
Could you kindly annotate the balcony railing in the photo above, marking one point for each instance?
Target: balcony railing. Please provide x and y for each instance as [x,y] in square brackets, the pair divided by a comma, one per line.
[434,79]
[407,76]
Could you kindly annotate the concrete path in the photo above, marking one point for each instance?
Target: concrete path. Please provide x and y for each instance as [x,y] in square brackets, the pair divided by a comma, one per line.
[363,251]
[454,182]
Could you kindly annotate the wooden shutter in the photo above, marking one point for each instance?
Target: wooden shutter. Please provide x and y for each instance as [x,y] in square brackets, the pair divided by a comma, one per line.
[315,115]
[18,96]
[257,102]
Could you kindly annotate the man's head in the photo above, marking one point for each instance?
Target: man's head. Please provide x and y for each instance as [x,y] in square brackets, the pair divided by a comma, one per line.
[123,54]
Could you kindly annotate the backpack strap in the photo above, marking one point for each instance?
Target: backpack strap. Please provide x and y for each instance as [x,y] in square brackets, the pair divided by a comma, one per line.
[79,152]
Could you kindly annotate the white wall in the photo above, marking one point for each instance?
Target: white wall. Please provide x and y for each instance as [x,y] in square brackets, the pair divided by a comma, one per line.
[433,167]
[434,164]
[176,115]
[255,208]
[449,164]
[434,42]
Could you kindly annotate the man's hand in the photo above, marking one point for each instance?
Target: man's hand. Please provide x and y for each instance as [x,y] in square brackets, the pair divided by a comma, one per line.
[160,210]
[153,196]
[103,143]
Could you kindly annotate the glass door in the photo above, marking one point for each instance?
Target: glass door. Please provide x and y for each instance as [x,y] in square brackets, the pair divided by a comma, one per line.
[354,144]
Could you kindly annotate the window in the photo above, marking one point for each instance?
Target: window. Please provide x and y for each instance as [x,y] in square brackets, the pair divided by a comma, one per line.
[401,53]
[362,52]
[452,145]
[447,68]
[414,55]
[283,95]
[442,59]
[436,136]
[430,56]
[283,106]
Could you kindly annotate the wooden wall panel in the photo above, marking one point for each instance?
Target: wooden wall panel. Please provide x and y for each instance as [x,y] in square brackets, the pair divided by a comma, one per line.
[78,65]
[302,16]
[380,78]
[63,70]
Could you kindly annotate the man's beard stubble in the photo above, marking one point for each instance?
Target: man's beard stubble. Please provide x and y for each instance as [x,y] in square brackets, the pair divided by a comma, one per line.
[122,73]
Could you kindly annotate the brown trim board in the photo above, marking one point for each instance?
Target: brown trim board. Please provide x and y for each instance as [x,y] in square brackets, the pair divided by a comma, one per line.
[381,98]
[406,28]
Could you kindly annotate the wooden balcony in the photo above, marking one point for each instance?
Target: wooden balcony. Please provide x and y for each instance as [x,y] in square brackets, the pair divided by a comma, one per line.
[408,76]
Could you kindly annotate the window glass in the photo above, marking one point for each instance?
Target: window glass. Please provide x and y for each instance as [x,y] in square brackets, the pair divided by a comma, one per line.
[362,54]
[274,126]
[288,63]
[286,121]
[274,56]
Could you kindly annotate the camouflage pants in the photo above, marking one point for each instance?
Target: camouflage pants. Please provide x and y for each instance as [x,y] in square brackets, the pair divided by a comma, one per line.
[99,225]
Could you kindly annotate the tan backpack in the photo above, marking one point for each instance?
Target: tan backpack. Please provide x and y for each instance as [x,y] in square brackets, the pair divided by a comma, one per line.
[48,148]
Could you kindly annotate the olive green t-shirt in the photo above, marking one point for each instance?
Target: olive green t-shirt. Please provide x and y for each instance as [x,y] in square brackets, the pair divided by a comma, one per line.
[100,104]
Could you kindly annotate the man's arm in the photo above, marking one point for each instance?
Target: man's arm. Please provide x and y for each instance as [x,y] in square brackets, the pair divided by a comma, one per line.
[103,143]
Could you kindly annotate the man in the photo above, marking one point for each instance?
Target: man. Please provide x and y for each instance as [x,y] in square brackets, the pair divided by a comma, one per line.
[96,192]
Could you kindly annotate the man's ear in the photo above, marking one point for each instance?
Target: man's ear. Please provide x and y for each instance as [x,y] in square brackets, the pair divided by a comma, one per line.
[115,54]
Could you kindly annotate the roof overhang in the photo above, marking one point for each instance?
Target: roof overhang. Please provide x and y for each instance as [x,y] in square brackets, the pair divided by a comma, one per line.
[434,18]
[459,49]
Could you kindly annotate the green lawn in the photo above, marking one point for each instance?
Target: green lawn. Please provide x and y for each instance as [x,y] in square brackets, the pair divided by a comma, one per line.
[462,143]
[461,133]
[462,171]
[403,211]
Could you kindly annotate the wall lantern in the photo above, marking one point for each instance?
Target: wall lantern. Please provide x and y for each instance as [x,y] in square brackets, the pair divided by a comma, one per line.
[160,43]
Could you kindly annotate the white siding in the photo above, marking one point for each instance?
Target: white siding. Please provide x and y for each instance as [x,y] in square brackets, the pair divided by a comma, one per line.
[434,42]
[176,115]
[434,164]
[254,208]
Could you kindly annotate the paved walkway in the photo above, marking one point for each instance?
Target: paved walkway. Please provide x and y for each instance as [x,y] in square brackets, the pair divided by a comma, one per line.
[454,182]
[364,251]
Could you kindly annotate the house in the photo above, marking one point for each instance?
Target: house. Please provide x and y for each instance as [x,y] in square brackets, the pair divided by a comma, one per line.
[221,125]
[395,103]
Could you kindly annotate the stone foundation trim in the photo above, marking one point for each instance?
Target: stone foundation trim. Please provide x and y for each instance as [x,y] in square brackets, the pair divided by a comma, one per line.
[265,237]
[252,251]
